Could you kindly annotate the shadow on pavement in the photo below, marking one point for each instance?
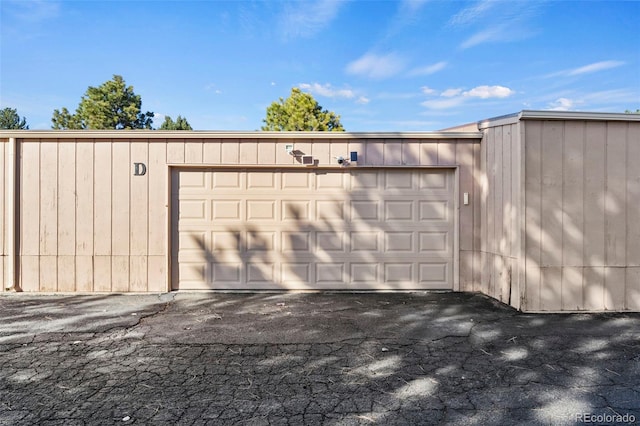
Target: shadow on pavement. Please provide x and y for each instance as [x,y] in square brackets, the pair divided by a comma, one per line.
[307,358]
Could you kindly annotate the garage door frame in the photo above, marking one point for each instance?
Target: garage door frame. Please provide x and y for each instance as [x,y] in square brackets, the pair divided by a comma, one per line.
[172,213]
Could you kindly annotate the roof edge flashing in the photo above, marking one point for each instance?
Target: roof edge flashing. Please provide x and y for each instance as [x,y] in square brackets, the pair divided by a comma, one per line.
[555,115]
[205,134]
[578,115]
[499,121]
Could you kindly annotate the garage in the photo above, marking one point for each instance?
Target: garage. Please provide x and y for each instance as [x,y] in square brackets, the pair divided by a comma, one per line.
[312,229]
[533,210]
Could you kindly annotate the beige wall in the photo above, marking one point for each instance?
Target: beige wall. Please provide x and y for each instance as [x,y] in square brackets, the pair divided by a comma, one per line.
[582,226]
[500,251]
[552,224]
[560,210]
[87,224]
[3,213]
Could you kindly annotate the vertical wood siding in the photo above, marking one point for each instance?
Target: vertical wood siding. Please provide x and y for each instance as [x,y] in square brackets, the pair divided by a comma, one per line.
[4,145]
[582,203]
[139,221]
[499,250]
[84,212]
[66,216]
[87,224]
[29,217]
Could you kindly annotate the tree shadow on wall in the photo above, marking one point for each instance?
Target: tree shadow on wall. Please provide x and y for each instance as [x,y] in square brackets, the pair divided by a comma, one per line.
[339,242]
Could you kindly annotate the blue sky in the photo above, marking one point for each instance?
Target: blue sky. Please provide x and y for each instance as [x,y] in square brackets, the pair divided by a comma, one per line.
[381,65]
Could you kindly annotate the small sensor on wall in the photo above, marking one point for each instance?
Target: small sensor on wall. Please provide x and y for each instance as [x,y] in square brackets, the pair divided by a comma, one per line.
[307,160]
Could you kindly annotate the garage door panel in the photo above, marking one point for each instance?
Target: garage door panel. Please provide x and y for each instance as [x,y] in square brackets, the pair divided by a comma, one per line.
[226,180]
[261,181]
[226,209]
[365,210]
[399,210]
[398,181]
[330,241]
[261,210]
[330,273]
[193,241]
[435,210]
[225,241]
[192,273]
[434,274]
[399,242]
[332,210]
[364,272]
[227,272]
[367,241]
[261,273]
[295,180]
[436,180]
[261,241]
[434,242]
[295,210]
[296,241]
[193,209]
[364,180]
[193,180]
[398,272]
[309,229]
[296,274]
[331,181]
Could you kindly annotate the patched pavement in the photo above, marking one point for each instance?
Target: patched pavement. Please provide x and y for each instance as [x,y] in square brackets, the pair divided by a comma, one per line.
[306,358]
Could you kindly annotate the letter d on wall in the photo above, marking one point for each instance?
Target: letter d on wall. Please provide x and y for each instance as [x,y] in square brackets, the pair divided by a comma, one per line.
[139,169]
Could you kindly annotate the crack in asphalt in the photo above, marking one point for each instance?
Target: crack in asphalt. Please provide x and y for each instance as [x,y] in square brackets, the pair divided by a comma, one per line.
[121,375]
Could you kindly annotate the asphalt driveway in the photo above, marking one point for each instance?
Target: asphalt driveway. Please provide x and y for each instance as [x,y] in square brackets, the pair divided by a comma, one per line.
[336,359]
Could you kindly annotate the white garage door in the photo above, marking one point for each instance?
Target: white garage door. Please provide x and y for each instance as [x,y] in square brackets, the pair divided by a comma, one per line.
[349,229]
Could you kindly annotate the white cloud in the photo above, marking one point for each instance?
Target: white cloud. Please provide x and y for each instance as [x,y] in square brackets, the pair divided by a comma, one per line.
[443,103]
[586,69]
[429,69]
[376,66]
[454,97]
[428,90]
[407,15]
[33,11]
[614,100]
[449,93]
[494,34]
[624,96]
[307,18]
[561,104]
[595,67]
[398,95]
[472,13]
[327,91]
[486,92]
[412,6]
[510,21]
[212,87]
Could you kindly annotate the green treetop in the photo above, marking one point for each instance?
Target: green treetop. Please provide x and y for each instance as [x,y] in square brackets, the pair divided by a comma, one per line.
[112,105]
[9,119]
[181,123]
[300,112]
